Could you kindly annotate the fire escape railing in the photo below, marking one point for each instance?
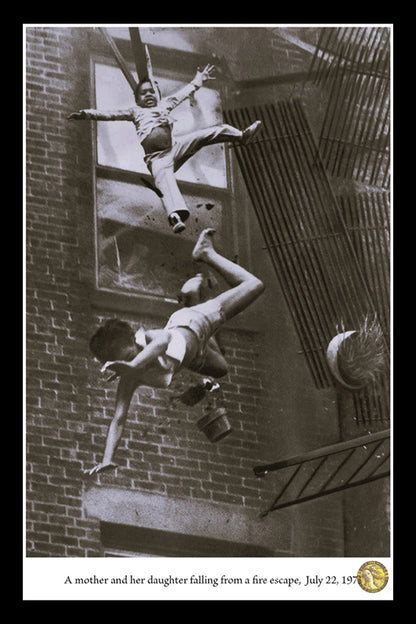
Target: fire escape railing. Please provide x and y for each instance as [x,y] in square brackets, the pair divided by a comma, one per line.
[330,469]
[302,225]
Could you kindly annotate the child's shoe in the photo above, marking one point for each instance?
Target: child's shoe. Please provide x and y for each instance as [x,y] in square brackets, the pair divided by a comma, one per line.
[176,223]
[250,132]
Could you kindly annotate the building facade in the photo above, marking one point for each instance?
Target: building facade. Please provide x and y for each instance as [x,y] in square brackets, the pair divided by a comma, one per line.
[98,246]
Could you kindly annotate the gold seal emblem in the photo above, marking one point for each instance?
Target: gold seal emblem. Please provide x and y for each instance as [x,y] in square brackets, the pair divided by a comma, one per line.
[372,576]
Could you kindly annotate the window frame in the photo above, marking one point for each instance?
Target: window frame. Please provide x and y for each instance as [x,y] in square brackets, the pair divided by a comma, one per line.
[148,302]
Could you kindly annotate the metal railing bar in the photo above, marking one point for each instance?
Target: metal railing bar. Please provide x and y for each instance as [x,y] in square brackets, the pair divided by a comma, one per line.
[305,485]
[340,488]
[331,449]
[333,475]
[367,459]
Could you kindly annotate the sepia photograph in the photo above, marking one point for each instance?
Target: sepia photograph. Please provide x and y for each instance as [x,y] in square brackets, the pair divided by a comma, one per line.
[207,311]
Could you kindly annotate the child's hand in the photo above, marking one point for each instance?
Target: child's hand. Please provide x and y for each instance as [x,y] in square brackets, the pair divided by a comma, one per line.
[78,115]
[205,74]
[100,467]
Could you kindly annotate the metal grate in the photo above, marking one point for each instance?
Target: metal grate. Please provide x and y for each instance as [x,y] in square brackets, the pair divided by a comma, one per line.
[303,229]
[354,65]
[367,218]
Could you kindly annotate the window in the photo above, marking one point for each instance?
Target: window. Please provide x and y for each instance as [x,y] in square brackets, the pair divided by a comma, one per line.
[136,252]
[120,540]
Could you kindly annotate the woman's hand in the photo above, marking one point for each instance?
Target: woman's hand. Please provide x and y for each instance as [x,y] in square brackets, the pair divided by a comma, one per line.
[119,367]
[100,467]
[77,115]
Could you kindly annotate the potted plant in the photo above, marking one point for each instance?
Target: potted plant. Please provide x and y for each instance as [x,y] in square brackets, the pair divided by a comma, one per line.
[355,357]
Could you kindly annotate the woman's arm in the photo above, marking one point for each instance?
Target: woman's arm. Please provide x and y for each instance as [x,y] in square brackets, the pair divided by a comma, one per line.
[150,353]
[125,392]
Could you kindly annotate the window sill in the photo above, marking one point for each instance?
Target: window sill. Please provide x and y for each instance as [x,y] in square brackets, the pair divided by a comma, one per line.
[159,308]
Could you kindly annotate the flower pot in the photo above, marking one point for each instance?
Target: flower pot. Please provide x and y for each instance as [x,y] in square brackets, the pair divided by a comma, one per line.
[334,364]
[215,425]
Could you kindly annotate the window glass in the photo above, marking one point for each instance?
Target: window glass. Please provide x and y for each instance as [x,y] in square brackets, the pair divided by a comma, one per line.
[137,252]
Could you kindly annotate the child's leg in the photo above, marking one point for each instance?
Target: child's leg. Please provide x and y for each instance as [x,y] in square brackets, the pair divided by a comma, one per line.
[164,178]
[188,144]
[245,287]
[163,168]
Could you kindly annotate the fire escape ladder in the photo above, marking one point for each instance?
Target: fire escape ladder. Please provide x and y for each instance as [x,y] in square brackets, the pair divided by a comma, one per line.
[330,469]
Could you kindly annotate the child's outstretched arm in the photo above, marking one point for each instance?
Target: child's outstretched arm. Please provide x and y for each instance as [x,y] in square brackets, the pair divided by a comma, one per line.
[125,391]
[196,83]
[204,74]
[110,115]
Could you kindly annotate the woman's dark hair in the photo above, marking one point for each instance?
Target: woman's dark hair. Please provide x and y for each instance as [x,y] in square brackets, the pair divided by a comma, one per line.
[110,340]
[139,84]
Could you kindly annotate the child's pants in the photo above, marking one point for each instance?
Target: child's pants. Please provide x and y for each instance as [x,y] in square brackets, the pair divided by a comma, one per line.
[163,165]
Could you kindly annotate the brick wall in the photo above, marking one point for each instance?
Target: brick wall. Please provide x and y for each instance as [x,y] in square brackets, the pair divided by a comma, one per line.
[165,452]
[273,412]
[55,301]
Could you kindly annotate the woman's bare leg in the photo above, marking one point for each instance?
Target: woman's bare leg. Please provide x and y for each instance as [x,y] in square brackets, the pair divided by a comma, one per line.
[245,287]
[215,365]
[193,291]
